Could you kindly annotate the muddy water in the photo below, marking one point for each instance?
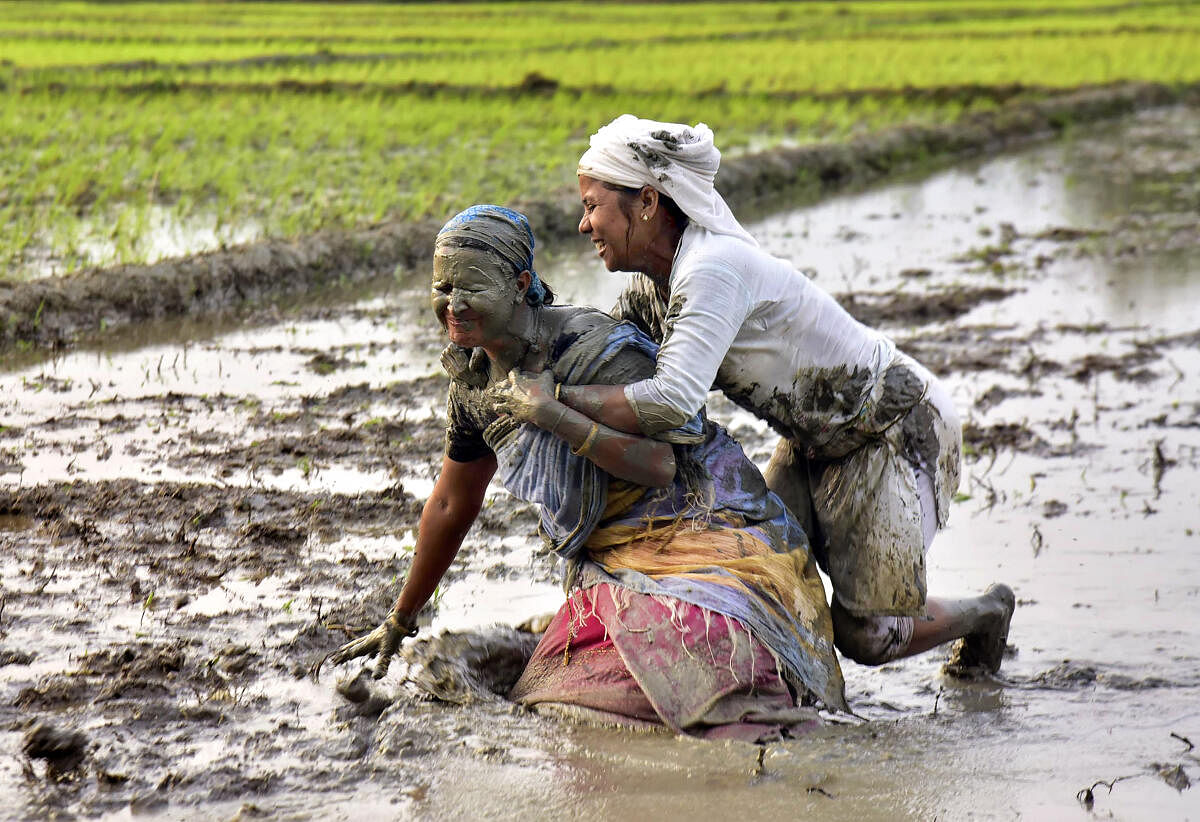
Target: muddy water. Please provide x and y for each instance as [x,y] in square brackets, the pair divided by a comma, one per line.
[194,514]
[163,236]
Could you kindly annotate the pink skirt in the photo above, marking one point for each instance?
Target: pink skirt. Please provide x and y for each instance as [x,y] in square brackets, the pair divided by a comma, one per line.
[641,661]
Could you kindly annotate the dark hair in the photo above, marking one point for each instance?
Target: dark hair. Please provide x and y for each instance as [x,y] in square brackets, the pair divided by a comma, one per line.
[626,203]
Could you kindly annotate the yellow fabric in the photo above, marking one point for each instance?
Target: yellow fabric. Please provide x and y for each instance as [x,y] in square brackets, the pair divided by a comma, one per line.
[621,497]
[663,548]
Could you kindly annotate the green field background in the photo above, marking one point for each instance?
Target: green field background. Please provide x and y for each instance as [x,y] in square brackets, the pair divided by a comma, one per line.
[119,122]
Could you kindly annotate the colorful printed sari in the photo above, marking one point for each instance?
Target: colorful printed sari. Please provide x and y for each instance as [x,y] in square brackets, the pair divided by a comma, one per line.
[697,606]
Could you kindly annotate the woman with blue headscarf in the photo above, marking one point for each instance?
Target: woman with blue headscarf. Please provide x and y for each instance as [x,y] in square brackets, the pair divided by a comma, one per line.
[693,599]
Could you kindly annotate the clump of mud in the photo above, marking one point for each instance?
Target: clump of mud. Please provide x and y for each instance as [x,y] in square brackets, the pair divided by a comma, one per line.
[457,667]
[469,666]
[62,750]
[1072,674]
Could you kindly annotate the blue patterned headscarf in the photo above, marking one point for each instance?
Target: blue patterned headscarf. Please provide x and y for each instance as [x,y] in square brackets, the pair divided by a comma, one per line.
[503,231]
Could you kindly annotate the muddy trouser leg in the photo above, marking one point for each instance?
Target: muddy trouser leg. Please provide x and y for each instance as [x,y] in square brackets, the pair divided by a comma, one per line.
[874,640]
[870,640]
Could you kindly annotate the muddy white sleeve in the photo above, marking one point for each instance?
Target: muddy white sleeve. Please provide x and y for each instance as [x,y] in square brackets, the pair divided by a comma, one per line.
[708,304]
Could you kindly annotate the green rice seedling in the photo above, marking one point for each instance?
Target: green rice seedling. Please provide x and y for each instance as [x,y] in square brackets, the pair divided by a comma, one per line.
[127,126]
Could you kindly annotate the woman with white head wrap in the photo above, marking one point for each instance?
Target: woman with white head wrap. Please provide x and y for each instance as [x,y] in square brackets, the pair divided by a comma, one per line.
[679,161]
[871,443]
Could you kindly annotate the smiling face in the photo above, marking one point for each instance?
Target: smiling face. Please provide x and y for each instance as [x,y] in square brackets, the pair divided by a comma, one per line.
[474,297]
[611,230]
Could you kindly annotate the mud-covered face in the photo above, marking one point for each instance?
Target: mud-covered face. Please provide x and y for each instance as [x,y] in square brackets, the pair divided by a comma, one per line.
[607,225]
[474,296]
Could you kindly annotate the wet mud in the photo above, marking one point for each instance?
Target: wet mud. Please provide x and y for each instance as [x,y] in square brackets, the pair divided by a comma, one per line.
[192,516]
[52,312]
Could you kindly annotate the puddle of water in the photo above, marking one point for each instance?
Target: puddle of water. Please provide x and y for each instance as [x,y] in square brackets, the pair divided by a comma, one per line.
[384,546]
[473,602]
[864,241]
[343,480]
[160,234]
[234,595]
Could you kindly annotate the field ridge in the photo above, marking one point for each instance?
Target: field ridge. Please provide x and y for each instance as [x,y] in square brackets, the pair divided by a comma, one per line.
[52,313]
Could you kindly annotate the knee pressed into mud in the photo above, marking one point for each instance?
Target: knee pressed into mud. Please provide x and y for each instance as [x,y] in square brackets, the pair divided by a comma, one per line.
[870,640]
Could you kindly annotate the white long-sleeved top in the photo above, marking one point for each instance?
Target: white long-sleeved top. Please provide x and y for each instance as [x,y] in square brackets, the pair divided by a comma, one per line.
[753,326]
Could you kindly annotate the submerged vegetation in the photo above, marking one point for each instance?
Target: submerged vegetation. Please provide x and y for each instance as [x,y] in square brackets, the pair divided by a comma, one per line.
[130,132]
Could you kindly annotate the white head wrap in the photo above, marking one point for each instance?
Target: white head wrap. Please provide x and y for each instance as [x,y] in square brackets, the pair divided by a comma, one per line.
[675,159]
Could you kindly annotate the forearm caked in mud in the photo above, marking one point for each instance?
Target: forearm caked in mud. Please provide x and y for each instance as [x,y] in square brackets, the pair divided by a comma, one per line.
[605,404]
[629,456]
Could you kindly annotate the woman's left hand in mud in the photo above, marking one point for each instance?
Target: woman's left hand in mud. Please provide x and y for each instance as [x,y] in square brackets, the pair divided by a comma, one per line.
[523,394]
[382,642]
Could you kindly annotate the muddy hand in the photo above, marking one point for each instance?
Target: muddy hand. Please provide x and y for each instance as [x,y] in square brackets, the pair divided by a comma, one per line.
[522,394]
[456,360]
[382,642]
[464,365]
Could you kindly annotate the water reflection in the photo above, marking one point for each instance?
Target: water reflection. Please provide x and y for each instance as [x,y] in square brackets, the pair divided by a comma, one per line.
[867,241]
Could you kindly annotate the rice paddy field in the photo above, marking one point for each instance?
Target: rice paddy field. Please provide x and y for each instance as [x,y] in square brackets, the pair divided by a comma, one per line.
[222,405]
[131,132]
